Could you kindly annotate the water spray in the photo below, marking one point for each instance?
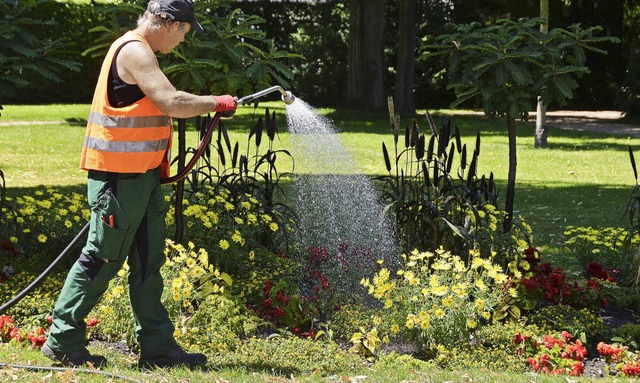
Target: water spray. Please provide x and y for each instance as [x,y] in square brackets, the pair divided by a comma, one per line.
[287,97]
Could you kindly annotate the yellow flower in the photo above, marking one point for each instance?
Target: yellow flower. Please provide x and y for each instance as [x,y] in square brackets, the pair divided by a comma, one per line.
[42,238]
[224,244]
[388,303]
[237,238]
[273,226]
[472,323]
[439,313]
[197,272]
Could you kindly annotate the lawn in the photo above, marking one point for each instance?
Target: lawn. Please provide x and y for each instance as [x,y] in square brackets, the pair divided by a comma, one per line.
[581,179]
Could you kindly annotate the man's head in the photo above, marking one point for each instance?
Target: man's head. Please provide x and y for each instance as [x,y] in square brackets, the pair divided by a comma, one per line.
[174,10]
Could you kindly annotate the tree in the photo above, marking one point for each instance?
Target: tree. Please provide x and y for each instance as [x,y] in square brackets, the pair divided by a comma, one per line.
[540,140]
[406,60]
[504,66]
[27,52]
[365,88]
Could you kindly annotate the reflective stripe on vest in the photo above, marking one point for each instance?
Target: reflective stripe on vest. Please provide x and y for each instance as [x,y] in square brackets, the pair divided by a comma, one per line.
[125,146]
[128,122]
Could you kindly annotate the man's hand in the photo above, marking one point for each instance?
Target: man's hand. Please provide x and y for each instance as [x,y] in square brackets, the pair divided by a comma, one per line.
[225,103]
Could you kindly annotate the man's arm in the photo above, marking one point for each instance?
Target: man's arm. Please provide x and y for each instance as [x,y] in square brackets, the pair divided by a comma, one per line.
[137,64]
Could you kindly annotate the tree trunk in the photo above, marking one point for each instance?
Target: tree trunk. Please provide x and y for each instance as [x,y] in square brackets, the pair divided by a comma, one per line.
[405,66]
[541,113]
[365,80]
[511,178]
[182,153]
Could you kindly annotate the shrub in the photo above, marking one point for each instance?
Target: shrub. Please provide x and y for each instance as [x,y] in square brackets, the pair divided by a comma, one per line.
[628,334]
[586,325]
[612,247]
[350,318]
[39,303]
[44,223]
[230,227]
[494,348]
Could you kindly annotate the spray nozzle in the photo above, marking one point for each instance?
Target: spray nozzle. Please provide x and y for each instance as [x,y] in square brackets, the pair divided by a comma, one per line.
[287,96]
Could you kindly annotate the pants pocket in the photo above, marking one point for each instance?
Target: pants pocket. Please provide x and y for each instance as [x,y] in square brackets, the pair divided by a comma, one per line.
[108,230]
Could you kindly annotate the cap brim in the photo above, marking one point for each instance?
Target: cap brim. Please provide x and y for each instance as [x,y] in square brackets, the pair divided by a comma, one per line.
[196,25]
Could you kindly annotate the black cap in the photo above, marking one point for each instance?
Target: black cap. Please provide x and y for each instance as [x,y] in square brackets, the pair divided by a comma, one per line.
[179,10]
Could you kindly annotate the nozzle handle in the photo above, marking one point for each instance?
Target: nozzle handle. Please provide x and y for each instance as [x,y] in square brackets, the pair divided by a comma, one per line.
[251,97]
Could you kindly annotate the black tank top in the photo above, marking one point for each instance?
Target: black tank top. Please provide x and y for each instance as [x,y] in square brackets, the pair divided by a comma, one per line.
[120,93]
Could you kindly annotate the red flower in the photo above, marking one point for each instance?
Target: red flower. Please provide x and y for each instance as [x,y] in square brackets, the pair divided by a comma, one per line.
[521,338]
[92,321]
[577,369]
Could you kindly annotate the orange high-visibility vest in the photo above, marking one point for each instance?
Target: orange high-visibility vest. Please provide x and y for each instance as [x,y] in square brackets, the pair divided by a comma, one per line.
[132,139]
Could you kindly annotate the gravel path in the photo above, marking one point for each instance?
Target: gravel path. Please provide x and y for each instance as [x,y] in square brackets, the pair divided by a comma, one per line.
[605,121]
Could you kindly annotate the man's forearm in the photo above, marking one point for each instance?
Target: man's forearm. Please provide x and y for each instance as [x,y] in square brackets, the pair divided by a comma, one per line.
[185,105]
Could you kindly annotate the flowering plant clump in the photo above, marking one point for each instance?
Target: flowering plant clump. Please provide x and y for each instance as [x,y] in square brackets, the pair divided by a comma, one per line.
[437,298]
[623,360]
[350,261]
[493,349]
[47,218]
[9,332]
[285,304]
[191,281]
[540,280]
[584,323]
[555,355]
[230,227]
[610,246]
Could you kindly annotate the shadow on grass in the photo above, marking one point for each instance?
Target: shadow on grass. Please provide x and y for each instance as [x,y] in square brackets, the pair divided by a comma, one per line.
[76,121]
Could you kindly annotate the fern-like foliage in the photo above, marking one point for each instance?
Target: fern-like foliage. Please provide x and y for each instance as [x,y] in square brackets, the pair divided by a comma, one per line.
[27,52]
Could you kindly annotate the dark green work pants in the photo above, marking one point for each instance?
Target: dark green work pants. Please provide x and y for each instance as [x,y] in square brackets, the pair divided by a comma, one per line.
[127,223]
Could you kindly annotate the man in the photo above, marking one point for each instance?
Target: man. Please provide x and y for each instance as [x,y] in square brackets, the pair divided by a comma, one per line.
[126,154]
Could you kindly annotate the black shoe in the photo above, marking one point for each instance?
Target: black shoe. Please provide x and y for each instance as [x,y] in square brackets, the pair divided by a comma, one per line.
[81,358]
[176,357]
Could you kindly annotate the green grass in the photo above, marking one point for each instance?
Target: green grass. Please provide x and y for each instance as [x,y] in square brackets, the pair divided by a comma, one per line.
[399,370]
[581,179]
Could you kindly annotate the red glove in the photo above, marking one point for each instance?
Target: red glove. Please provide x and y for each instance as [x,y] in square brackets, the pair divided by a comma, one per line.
[225,103]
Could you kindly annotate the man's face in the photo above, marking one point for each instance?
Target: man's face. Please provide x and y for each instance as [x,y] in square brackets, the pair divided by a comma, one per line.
[175,35]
